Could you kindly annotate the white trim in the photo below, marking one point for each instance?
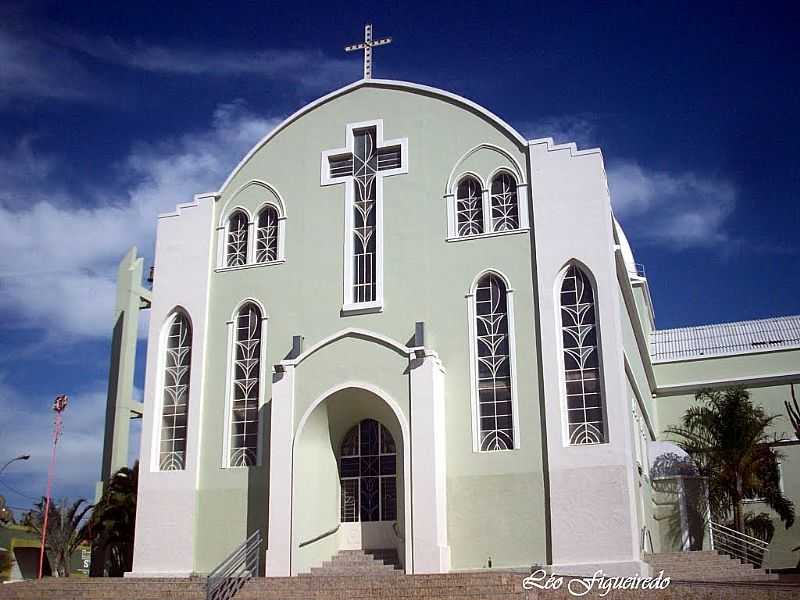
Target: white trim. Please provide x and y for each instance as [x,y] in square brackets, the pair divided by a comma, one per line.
[407,482]
[348,305]
[269,263]
[562,385]
[451,183]
[225,459]
[349,332]
[379,83]
[483,236]
[155,453]
[278,202]
[765,350]
[752,381]
[451,193]
[473,359]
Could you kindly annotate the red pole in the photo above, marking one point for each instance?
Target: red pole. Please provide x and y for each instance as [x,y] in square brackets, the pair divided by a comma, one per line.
[59,405]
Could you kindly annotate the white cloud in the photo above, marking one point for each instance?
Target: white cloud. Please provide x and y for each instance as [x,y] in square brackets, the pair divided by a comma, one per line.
[562,128]
[309,68]
[682,209]
[31,68]
[58,259]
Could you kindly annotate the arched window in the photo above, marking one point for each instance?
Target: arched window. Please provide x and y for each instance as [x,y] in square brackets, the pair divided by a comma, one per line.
[583,388]
[236,249]
[246,387]
[493,368]
[505,213]
[267,235]
[175,409]
[469,207]
[368,472]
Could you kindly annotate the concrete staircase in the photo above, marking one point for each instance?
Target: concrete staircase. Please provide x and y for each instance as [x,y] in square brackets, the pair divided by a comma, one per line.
[705,565]
[496,585]
[360,562]
[117,588]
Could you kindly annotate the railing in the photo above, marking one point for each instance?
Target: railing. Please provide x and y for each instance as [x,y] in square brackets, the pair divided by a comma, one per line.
[737,544]
[236,570]
[320,536]
[646,537]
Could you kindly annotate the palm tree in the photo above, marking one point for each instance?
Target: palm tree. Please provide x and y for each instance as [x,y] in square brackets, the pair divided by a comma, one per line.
[726,436]
[114,518]
[66,529]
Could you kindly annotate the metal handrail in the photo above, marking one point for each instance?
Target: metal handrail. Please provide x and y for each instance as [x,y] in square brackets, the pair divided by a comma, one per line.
[320,536]
[236,570]
[738,544]
[646,536]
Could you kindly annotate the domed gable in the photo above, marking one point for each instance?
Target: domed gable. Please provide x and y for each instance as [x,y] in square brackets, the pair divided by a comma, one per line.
[412,88]
[625,247]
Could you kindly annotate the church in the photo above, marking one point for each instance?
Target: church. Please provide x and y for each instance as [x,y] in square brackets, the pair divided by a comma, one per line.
[401,326]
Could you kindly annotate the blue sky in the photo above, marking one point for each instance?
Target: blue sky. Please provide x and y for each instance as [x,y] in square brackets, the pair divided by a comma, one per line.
[111,115]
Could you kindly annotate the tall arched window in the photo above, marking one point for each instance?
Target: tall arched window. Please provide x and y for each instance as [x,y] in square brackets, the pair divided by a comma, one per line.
[368,472]
[469,206]
[236,248]
[505,213]
[246,387]
[267,235]
[493,365]
[175,404]
[583,384]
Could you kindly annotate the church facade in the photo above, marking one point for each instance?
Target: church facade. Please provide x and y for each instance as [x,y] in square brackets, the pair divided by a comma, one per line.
[401,325]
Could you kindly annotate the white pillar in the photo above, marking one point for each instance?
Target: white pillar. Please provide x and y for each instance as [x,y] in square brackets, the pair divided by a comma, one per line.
[279,538]
[431,554]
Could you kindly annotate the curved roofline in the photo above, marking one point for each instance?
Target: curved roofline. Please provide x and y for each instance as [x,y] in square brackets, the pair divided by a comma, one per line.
[384,83]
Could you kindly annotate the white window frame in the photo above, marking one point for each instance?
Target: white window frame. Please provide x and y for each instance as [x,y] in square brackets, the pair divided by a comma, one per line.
[562,366]
[155,454]
[232,206]
[348,305]
[281,235]
[227,419]
[515,170]
[473,360]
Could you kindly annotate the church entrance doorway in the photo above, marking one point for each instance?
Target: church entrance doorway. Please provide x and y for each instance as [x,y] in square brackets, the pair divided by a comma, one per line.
[350,478]
[368,483]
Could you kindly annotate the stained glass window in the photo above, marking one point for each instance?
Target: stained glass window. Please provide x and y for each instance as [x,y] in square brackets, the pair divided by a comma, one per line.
[469,207]
[236,250]
[246,384]
[175,409]
[505,212]
[495,407]
[368,471]
[584,398]
[267,235]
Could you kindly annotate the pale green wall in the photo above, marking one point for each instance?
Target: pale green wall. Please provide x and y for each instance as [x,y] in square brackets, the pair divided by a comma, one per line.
[426,279]
[670,409]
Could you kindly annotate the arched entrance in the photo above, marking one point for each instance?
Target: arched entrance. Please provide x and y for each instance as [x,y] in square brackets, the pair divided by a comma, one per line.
[350,468]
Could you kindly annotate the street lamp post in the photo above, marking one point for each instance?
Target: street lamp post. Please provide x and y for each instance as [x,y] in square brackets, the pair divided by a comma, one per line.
[59,406]
[20,457]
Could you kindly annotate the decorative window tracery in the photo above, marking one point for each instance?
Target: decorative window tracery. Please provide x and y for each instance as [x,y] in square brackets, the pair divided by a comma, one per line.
[495,405]
[505,211]
[246,387]
[368,472]
[236,249]
[175,408]
[469,207]
[584,398]
[267,235]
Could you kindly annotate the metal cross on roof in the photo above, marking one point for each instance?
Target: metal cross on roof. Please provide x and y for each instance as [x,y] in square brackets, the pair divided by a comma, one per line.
[367,46]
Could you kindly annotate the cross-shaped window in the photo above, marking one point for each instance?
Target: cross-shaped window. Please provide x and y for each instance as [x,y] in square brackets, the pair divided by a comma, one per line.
[361,166]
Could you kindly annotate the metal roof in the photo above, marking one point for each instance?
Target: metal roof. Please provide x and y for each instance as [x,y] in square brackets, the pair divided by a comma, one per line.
[725,338]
